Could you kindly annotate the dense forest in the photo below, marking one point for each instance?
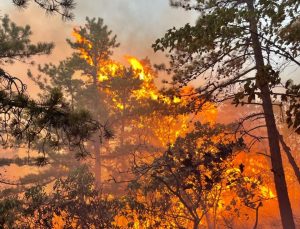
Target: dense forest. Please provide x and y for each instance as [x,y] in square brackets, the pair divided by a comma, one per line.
[207,137]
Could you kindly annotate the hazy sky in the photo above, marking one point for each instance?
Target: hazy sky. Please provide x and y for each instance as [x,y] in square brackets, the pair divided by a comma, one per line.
[138,23]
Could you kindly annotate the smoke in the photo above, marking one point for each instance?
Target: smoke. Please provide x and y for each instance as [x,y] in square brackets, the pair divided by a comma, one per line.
[137,23]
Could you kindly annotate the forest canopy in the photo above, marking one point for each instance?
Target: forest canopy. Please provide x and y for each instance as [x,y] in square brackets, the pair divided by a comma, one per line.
[204,136]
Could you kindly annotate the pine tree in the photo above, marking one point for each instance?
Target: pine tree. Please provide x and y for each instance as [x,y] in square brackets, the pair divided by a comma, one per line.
[61,7]
[47,123]
[94,43]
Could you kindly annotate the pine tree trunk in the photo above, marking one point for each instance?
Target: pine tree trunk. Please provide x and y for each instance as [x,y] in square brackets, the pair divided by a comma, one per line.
[122,134]
[122,139]
[290,157]
[273,137]
[210,222]
[196,224]
[276,161]
[97,165]
[98,137]
[256,218]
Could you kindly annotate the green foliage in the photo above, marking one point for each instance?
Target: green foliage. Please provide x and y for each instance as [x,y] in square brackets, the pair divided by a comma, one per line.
[237,50]
[290,33]
[15,43]
[47,123]
[9,211]
[78,197]
[293,109]
[219,48]
[61,77]
[77,80]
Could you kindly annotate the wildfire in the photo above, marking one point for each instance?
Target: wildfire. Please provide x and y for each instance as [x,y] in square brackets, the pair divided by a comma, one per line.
[266,192]
[148,89]
[166,128]
[137,66]
[169,128]
[83,52]
[109,69]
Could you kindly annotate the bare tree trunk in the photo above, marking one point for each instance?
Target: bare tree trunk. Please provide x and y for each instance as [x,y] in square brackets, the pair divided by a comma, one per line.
[98,137]
[196,224]
[97,165]
[256,215]
[277,165]
[122,136]
[210,222]
[276,159]
[291,159]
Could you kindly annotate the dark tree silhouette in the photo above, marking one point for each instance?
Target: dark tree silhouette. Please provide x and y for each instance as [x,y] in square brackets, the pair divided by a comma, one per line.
[73,198]
[61,7]
[38,124]
[197,172]
[15,43]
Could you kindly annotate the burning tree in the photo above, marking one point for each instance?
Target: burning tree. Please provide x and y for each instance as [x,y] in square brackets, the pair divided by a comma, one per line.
[94,44]
[143,118]
[234,48]
[182,174]
[196,181]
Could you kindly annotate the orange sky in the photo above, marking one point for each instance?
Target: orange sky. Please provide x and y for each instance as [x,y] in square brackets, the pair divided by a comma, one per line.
[137,23]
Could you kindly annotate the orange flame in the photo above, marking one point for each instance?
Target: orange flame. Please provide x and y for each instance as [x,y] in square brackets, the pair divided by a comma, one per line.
[83,53]
[148,90]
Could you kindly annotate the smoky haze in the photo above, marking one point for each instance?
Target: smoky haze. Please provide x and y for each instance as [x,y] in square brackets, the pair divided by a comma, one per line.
[137,23]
